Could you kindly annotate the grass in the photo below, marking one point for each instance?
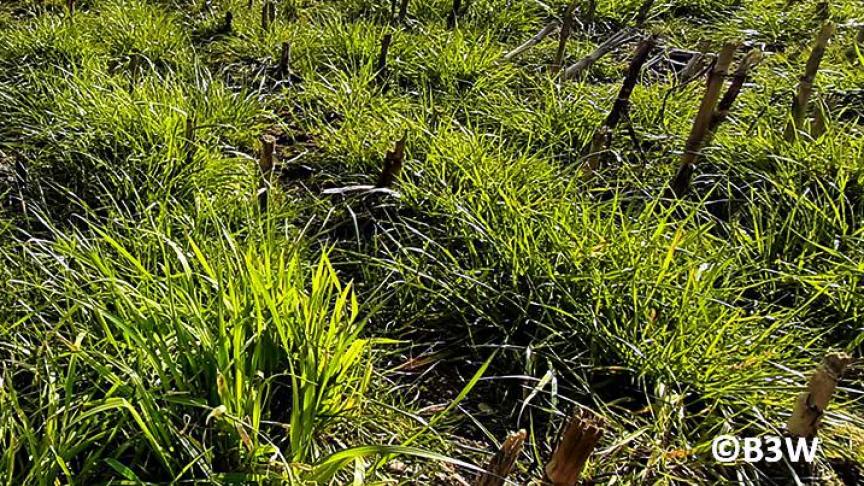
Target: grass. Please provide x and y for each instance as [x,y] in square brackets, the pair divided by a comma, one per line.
[160,335]
[158,327]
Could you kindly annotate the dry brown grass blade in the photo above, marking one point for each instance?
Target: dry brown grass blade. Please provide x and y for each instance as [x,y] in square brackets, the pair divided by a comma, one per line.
[681,182]
[502,462]
[805,85]
[578,441]
[811,404]
[539,36]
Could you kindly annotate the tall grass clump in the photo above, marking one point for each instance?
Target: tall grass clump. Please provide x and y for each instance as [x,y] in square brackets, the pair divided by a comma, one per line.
[159,351]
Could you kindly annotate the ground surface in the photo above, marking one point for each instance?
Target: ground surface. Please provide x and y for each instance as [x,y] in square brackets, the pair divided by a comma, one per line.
[156,324]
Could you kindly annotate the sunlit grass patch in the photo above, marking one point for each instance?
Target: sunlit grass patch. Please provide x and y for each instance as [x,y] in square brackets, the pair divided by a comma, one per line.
[162,325]
[183,352]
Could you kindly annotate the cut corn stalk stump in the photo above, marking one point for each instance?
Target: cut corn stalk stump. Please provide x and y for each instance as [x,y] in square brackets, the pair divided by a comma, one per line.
[591,12]
[547,30]
[805,86]
[392,165]
[189,148]
[390,172]
[457,10]
[271,10]
[566,26]
[502,462]
[285,60]
[823,11]
[622,102]
[403,11]
[738,79]
[812,403]
[617,40]
[228,25]
[268,14]
[644,10]
[265,166]
[820,119]
[381,70]
[580,438]
[603,136]
[598,144]
[681,182]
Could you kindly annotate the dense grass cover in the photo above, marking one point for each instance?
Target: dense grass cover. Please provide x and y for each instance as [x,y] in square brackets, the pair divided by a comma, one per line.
[157,325]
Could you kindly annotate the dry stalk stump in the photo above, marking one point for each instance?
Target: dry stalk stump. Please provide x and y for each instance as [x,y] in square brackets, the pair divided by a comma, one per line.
[502,462]
[801,100]
[393,162]
[644,10]
[811,404]
[617,40]
[268,14]
[189,148]
[547,30]
[566,26]
[738,79]
[265,166]
[403,11]
[228,23]
[603,136]
[453,16]
[681,182]
[580,438]
[381,70]
[285,59]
